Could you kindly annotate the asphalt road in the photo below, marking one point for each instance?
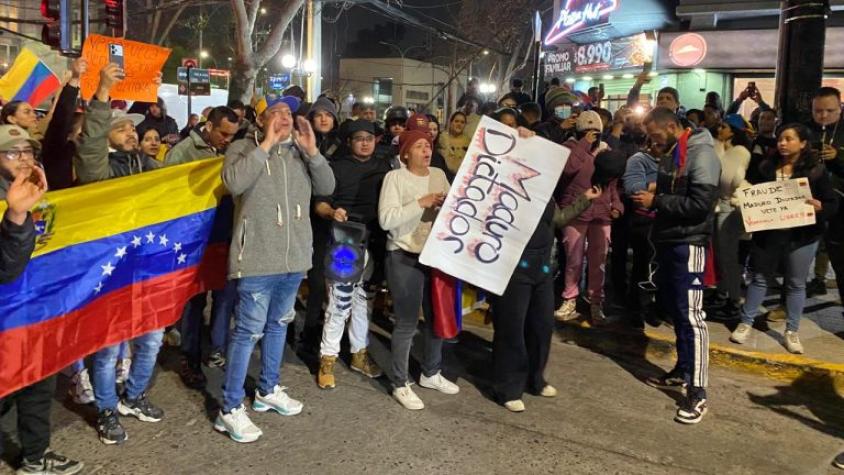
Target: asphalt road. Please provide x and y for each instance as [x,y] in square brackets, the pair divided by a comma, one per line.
[605,420]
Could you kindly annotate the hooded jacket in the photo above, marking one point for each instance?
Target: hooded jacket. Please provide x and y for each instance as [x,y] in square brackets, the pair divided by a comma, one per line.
[165,125]
[94,160]
[577,178]
[685,198]
[272,194]
[16,243]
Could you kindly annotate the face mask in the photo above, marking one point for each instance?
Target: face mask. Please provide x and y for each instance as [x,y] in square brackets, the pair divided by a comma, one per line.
[562,112]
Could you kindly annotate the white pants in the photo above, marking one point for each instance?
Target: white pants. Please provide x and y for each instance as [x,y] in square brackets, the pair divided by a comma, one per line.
[344,301]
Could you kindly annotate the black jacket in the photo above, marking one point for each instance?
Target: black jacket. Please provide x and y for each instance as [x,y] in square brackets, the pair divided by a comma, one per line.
[686,198]
[56,150]
[16,246]
[550,129]
[822,191]
[330,145]
[165,125]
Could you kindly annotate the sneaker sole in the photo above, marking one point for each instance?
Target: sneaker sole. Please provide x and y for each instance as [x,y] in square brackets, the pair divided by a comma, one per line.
[242,440]
[372,376]
[687,421]
[449,392]
[114,442]
[419,408]
[127,411]
[261,407]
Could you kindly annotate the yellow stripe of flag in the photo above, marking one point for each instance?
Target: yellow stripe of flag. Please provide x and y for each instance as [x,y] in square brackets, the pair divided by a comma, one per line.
[102,209]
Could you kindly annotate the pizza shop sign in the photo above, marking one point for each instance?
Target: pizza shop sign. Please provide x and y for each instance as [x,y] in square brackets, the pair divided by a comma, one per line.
[579,14]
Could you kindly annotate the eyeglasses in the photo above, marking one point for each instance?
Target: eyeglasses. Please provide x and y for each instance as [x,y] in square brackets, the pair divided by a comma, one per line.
[16,154]
[364,139]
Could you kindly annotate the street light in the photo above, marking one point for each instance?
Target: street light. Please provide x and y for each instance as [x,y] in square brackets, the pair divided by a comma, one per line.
[309,66]
[486,52]
[203,54]
[486,88]
[288,61]
[263,11]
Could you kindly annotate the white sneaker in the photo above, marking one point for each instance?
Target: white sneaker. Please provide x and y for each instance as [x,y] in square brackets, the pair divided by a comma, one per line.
[566,311]
[515,406]
[123,367]
[407,398]
[792,343]
[548,391]
[277,401]
[81,391]
[439,383]
[741,333]
[238,425]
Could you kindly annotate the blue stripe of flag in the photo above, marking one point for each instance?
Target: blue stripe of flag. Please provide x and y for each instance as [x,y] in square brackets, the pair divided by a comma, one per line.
[39,73]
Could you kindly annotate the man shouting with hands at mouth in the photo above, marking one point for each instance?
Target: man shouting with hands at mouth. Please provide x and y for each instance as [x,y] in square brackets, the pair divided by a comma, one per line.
[271,174]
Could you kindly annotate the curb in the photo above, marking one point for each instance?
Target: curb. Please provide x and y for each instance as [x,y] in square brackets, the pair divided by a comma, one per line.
[650,345]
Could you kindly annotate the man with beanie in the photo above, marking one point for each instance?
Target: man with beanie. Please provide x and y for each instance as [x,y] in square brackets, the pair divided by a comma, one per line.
[359,176]
[562,115]
[271,175]
[589,234]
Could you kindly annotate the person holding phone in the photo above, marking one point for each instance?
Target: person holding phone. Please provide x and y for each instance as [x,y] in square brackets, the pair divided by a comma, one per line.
[560,102]
[409,202]
[589,235]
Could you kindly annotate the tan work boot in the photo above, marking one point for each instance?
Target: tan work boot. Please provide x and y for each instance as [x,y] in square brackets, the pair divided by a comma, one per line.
[363,363]
[325,377]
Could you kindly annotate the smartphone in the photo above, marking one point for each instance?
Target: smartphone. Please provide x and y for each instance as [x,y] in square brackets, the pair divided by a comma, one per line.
[115,55]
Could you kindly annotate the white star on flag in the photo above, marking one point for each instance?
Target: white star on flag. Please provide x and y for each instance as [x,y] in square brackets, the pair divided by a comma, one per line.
[181,259]
[163,240]
[136,241]
[108,268]
[121,252]
[98,288]
[177,247]
[150,238]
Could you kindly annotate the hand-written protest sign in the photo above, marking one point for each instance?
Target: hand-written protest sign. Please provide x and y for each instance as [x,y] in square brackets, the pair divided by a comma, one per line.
[141,63]
[776,205]
[494,206]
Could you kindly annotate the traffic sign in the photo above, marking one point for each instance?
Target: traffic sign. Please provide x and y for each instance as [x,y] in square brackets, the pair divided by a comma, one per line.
[200,81]
[278,82]
[190,63]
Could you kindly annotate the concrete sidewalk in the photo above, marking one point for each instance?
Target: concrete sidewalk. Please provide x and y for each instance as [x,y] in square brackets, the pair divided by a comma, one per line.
[821,332]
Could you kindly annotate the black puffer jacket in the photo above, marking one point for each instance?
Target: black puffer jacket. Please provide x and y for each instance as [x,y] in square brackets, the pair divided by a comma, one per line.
[686,198]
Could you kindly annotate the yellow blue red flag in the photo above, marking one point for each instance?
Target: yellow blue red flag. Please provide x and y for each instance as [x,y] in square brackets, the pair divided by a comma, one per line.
[29,79]
[113,260]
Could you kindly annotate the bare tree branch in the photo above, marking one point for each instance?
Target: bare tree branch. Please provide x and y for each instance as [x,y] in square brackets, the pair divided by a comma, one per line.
[173,19]
[273,42]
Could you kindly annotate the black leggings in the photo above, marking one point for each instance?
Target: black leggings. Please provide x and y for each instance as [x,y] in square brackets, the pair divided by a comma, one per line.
[523,319]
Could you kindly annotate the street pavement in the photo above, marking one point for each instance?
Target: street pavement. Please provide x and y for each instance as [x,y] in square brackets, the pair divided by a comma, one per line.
[605,420]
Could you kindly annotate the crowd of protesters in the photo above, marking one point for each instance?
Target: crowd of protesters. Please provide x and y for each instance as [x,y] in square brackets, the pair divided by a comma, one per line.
[655,184]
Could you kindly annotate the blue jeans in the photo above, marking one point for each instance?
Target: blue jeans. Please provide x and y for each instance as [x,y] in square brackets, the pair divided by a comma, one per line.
[763,263]
[144,353]
[191,325]
[264,308]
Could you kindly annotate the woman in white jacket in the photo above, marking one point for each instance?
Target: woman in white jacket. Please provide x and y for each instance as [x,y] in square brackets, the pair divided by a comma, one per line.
[733,149]
[409,202]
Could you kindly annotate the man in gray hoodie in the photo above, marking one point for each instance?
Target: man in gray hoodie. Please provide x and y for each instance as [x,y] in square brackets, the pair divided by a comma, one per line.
[271,175]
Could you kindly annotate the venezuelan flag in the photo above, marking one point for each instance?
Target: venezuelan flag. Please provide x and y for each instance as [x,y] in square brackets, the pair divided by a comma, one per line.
[113,260]
[29,79]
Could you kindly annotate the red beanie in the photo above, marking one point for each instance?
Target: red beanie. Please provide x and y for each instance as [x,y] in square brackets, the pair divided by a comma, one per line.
[410,137]
[417,122]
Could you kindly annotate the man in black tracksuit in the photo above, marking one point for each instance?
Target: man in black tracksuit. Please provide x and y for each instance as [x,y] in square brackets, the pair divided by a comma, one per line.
[684,202]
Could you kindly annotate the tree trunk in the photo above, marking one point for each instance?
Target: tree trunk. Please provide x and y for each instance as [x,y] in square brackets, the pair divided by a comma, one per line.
[242,83]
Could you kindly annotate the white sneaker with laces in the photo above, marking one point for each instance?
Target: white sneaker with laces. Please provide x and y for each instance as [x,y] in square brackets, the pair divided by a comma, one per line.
[741,333]
[82,392]
[439,383]
[792,343]
[567,310]
[238,425]
[123,367]
[407,398]
[278,401]
[516,405]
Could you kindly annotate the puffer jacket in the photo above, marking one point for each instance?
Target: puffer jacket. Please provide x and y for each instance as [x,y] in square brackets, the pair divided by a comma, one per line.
[686,198]
[577,178]
[16,243]
[272,195]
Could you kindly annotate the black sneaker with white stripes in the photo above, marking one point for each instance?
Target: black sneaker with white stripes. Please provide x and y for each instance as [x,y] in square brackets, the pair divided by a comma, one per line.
[673,379]
[109,428]
[140,408]
[691,410]
[51,464]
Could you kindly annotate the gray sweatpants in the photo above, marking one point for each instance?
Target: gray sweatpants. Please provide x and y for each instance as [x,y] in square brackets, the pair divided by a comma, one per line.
[410,286]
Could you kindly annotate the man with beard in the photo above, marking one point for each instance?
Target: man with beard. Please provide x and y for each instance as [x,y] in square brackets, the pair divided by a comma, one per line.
[684,202]
[108,149]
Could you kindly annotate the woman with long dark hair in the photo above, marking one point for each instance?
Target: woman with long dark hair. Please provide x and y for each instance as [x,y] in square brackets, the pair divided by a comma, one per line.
[454,142]
[794,247]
